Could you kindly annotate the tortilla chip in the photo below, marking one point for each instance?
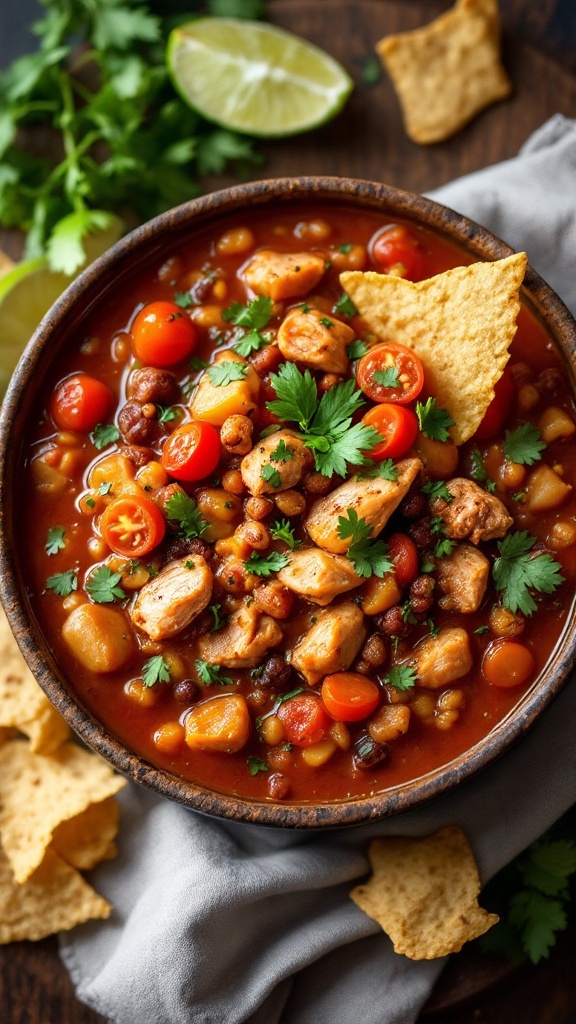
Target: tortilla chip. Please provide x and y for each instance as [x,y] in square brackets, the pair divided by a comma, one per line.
[55,898]
[460,323]
[423,893]
[38,793]
[23,705]
[447,71]
[88,838]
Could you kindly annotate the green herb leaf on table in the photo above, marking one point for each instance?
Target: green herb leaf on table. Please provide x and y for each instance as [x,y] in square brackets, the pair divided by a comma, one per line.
[155,670]
[369,557]
[433,421]
[103,585]
[222,374]
[183,509]
[517,572]
[63,583]
[524,445]
[55,540]
[265,565]
[209,674]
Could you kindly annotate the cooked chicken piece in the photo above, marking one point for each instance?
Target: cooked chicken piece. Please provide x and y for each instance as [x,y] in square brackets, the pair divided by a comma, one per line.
[332,643]
[315,339]
[373,499]
[282,472]
[462,578]
[440,660]
[284,275]
[473,513]
[243,641]
[168,603]
[318,575]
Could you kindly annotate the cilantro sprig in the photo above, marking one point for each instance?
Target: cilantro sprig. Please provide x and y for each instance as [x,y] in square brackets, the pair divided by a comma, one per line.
[434,421]
[183,510]
[265,565]
[517,572]
[104,585]
[401,677]
[524,444]
[55,540]
[155,670]
[369,557]
[282,529]
[209,674]
[255,316]
[63,583]
[222,374]
[325,423]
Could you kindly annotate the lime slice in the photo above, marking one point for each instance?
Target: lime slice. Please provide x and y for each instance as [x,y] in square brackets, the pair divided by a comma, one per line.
[28,290]
[255,78]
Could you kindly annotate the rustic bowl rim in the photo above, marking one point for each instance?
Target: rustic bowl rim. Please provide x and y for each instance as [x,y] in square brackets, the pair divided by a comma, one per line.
[140,246]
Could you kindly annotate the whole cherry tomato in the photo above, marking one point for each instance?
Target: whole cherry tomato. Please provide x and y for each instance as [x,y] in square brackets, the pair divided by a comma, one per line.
[397,426]
[497,411]
[390,373]
[397,249]
[132,525]
[192,451]
[163,334]
[80,402]
[349,696]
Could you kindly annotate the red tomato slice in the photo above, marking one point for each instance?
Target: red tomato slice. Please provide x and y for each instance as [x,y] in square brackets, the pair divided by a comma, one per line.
[80,402]
[192,451]
[132,526]
[163,334]
[404,554]
[497,411]
[390,373]
[350,696]
[507,664]
[397,426]
[304,719]
[395,248]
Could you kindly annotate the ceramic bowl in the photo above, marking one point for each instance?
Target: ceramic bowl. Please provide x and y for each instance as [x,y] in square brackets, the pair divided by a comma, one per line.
[138,248]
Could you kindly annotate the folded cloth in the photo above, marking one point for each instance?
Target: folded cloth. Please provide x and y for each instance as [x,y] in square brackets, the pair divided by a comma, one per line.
[216,923]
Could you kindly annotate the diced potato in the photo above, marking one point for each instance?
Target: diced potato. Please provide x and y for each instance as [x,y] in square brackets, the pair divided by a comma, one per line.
[117,471]
[555,424]
[219,724]
[379,594]
[239,398]
[440,458]
[545,490]
[47,479]
[99,637]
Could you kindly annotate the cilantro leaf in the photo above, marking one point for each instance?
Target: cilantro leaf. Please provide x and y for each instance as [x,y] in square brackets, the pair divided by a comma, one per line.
[63,583]
[256,764]
[222,374]
[401,677]
[251,342]
[517,572]
[265,565]
[155,670]
[218,620]
[183,299]
[209,674]
[197,364]
[478,473]
[184,510]
[524,445]
[369,557]
[271,475]
[388,378]
[103,585]
[167,413]
[356,349]
[254,315]
[104,434]
[345,307]
[296,395]
[433,421]
[282,452]
[282,529]
[385,470]
[55,540]
[438,489]
[65,247]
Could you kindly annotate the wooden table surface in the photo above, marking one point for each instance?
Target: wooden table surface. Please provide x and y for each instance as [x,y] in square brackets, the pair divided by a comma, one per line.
[367,141]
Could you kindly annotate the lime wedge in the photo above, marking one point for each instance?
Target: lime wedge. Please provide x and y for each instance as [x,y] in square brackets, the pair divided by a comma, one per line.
[28,290]
[255,78]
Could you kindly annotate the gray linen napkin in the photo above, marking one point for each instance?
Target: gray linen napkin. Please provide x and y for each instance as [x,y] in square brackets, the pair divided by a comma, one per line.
[219,923]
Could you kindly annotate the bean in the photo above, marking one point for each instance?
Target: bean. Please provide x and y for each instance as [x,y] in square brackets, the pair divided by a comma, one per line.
[278,786]
[186,691]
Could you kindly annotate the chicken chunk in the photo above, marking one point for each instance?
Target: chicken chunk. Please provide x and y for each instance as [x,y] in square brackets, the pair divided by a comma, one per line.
[316,340]
[440,660]
[332,643]
[168,603]
[243,641]
[374,499]
[284,275]
[282,457]
[319,576]
[473,512]
[462,578]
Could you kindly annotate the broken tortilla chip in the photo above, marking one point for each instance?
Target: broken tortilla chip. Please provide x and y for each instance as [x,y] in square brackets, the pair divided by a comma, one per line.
[37,793]
[447,71]
[88,838]
[423,893]
[460,323]
[23,705]
[55,898]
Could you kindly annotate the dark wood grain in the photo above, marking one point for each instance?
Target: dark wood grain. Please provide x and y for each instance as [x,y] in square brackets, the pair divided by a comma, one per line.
[367,140]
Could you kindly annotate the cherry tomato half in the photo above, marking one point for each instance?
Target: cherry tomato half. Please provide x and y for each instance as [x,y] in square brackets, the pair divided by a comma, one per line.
[349,696]
[304,719]
[192,451]
[404,555]
[390,373]
[396,249]
[80,402]
[499,407]
[507,664]
[163,334]
[132,525]
[397,426]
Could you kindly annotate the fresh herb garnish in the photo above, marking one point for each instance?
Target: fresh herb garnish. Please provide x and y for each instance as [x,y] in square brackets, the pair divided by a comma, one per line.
[524,445]
[388,378]
[104,434]
[55,540]
[209,674]
[104,488]
[184,510]
[478,473]
[103,585]
[222,374]
[367,556]
[384,470]
[282,453]
[265,565]
[256,764]
[155,670]
[197,364]
[371,71]
[516,572]
[271,475]
[282,529]
[326,424]
[63,583]
[345,307]
[433,421]
[356,349]
[438,489]
[401,677]
[218,618]
[183,299]
[167,413]
[326,322]
[254,316]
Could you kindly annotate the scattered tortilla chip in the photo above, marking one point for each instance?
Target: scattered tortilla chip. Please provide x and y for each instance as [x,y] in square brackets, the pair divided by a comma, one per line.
[461,324]
[423,893]
[23,705]
[55,898]
[447,71]
[37,793]
[88,838]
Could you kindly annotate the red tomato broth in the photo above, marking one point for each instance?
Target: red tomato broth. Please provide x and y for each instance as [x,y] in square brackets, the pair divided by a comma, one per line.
[424,748]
